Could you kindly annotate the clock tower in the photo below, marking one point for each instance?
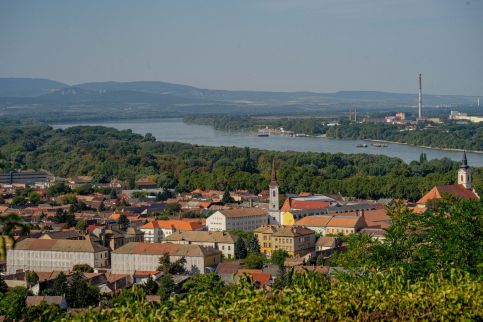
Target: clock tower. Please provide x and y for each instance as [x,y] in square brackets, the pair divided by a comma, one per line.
[274,203]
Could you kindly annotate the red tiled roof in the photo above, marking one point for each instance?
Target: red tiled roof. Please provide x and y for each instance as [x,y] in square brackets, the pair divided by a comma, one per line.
[184,224]
[257,274]
[304,204]
[454,189]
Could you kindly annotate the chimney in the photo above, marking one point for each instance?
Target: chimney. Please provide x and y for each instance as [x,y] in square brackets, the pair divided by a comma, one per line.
[420,98]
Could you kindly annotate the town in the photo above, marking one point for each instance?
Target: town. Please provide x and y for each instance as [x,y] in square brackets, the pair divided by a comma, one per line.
[112,238]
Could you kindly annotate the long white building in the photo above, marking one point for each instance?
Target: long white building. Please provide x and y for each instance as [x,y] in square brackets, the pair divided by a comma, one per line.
[237,219]
[47,255]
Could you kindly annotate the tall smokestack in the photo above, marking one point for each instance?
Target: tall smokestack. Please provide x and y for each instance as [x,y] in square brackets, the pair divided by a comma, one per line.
[420,105]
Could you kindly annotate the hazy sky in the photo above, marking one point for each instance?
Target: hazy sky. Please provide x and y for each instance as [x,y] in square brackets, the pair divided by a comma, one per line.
[317,45]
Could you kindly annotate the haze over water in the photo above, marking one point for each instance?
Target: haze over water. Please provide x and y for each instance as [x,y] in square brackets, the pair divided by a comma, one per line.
[178,131]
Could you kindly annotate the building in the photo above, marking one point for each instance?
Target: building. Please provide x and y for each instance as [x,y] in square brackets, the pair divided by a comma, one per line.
[23,177]
[296,208]
[221,240]
[327,243]
[274,199]
[247,219]
[333,224]
[455,115]
[145,257]
[63,234]
[35,300]
[156,231]
[296,240]
[114,238]
[464,188]
[47,255]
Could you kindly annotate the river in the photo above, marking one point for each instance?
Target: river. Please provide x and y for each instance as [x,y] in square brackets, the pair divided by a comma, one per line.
[177,130]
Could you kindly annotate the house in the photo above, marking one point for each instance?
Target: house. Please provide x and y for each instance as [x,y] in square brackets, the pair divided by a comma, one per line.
[155,231]
[295,240]
[50,300]
[47,255]
[247,219]
[78,180]
[227,271]
[113,237]
[145,257]
[63,234]
[223,241]
[296,208]
[333,224]
[260,278]
[145,183]
[326,243]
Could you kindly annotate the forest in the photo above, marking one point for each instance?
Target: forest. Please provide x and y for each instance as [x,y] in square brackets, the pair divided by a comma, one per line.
[448,136]
[107,153]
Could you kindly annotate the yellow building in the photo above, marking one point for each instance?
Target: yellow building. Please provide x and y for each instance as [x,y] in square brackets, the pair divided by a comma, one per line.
[295,240]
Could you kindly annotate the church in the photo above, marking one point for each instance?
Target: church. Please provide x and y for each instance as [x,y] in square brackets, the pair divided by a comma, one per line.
[464,188]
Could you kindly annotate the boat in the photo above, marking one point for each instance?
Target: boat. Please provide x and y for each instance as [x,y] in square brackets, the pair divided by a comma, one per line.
[379,145]
[261,134]
[361,146]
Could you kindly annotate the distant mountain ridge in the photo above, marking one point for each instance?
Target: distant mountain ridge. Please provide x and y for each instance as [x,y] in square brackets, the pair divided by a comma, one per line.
[28,87]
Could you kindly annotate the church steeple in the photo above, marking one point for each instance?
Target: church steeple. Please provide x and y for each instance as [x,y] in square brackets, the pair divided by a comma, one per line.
[464,173]
[273,182]
[274,202]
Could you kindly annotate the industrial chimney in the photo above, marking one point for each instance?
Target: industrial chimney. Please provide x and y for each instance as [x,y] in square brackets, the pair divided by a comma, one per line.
[420,104]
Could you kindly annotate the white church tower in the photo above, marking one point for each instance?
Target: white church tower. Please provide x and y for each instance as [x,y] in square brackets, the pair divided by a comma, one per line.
[464,173]
[274,204]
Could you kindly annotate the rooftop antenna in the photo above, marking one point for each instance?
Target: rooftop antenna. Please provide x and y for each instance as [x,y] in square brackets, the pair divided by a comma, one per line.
[420,104]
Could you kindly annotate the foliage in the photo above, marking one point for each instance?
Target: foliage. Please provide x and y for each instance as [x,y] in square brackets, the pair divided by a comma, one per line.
[12,303]
[209,282]
[255,261]
[42,313]
[278,257]
[253,247]
[58,188]
[227,198]
[166,286]
[3,285]
[168,267]
[123,222]
[240,248]
[32,278]
[8,224]
[78,293]
[62,217]
[83,268]
[81,225]
[150,287]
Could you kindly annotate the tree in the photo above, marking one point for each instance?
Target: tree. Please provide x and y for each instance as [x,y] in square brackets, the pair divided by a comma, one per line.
[34,198]
[32,278]
[151,287]
[3,285]
[240,249]
[60,285]
[80,294]
[123,222]
[83,268]
[113,194]
[278,257]
[57,189]
[8,223]
[255,261]
[168,267]
[227,198]
[204,283]
[12,304]
[166,286]
[253,245]
[81,225]
[102,206]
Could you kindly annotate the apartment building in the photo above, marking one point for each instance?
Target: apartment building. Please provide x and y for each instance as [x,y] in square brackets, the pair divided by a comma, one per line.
[156,231]
[47,255]
[145,257]
[333,224]
[221,240]
[295,240]
[247,219]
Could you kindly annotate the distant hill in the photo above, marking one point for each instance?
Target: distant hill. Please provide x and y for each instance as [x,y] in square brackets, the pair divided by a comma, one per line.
[28,87]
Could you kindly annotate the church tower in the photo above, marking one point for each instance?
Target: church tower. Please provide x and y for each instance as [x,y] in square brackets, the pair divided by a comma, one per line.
[274,204]
[464,173]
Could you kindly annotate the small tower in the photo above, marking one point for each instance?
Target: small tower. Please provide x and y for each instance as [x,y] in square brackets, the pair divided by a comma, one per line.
[274,204]
[464,173]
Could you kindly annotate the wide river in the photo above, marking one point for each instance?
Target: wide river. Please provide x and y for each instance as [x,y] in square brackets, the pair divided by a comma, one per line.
[177,130]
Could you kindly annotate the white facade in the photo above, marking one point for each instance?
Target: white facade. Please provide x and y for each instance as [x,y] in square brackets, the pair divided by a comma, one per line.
[227,249]
[129,263]
[48,261]
[152,235]
[248,222]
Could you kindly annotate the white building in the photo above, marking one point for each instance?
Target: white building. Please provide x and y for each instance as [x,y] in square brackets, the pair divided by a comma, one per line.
[145,257]
[237,219]
[221,240]
[47,255]
[156,231]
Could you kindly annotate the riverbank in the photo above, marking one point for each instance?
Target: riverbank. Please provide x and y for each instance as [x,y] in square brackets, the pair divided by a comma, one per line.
[422,146]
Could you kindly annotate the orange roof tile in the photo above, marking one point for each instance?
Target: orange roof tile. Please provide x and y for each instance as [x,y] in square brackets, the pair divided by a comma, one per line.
[290,204]
[455,190]
[257,274]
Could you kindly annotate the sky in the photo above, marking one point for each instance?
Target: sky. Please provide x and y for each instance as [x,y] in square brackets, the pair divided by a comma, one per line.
[277,45]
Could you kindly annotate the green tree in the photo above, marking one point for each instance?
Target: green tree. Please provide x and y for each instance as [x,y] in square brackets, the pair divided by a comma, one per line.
[151,287]
[83,268]
[113,194]
[123,222]
[12,304]
[255,261]
[58,188]
[102,207]
[240,249]
[278,257]
[253,245]
[34,198]
[3,285]
[81,225]
[209,282]
[32,278]
[227,198]
[168,267]
[80,294]
[8,224]
[166,286]
[42,312]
